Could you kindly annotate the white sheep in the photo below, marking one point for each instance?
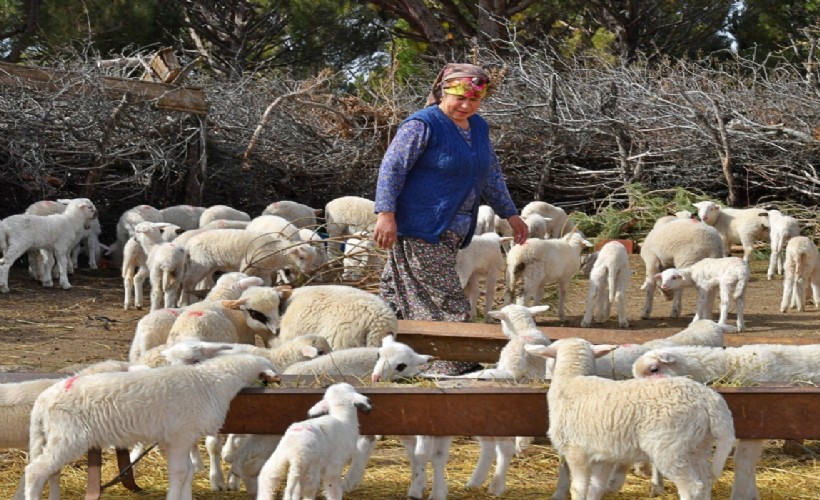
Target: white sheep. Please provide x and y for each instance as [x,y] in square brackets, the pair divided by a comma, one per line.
[347,216]
[596,423]
[347,316]
[122,409]
[298,214]
[166,269]
[147,236]
[747,364]
[254,313]
[679,243]
[802,270]
[744,226]
[126,224]
[782,228]
[608,282]
[558,222]
[681,214]
[222,212]
[185,216]
[316,450]
[537,225]
[273,224]
[540,262]
[55,234]
[153,328]
[361,258]
[486,220]
[256,254]
[481,260]
[728,275]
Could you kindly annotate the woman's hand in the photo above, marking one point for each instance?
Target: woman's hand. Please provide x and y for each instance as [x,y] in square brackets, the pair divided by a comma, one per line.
[386,232]
[520,230]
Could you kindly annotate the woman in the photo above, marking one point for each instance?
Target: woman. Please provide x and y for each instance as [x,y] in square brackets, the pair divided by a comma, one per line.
[431,181]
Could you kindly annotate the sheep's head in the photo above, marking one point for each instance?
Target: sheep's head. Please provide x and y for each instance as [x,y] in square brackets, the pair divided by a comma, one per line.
[259,306]
[397,360]
[656,363]
[708,211]
[340,395]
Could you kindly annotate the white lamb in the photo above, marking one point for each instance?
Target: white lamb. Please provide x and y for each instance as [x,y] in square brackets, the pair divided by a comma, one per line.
[540,262]
[347,316]
[681,214]
[782,228]
[537,225]
[147,236]
[744,226]
[126,224]
[608,282]
[254,313]
[596,423]
[728,275]
[316,450]
[361,258]
[166,269]
[184,216]
[298,214]
[558,222]
[747,364]
[481,260]
[273,224]
[802,270]
[256,254]
[153,328]
[122,409]
[222,212]
[679,244]
[486,220]
[55,234]
[347,216]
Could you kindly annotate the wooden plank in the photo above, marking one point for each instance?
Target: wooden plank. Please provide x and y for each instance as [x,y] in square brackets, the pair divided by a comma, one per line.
[758,412]
[483,342]
[163,95]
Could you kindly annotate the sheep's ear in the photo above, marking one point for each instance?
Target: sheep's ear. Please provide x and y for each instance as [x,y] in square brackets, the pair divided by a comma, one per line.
[658,276]
[309,351]
[319,409]
[499,315]
[248,282]
[601,350]
[317,212]
[285,291]
[233,305]
[64,201]
[587,243]
[388,339]
[546,351]
[211,350]
[539,309]
[665,357]
[362,403]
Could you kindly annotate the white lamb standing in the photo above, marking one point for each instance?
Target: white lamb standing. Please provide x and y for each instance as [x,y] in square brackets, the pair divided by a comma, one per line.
[256,254]
[166,270]
[486,220]
[185,216]
[300,215]
[679,244]
[558,222]
[481,260]
[782,228]
[273,224]
[152,329]
[316,450]
[222,212]
[361,258]
[537,225]
[122,409]
[726,275]
[128,222]
[608,282]
[347,316]
[90,237]
[347,216]
[540,262]
[596,423]
[135,269]
[802,270]
[54,234]
[744,226]
[747,364]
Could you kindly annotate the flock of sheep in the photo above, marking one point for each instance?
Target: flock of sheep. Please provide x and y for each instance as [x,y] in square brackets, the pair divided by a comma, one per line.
[200,353]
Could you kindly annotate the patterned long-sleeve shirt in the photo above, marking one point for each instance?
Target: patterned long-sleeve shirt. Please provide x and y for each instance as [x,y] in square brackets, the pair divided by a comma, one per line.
[408,145]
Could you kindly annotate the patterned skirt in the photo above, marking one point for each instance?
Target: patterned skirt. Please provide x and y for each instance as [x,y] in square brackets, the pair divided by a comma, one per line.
[420,282]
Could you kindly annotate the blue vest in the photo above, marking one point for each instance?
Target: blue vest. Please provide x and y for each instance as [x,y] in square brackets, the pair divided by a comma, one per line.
[443,176]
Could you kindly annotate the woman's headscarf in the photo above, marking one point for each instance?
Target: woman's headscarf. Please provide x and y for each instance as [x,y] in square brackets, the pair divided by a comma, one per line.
[460,79]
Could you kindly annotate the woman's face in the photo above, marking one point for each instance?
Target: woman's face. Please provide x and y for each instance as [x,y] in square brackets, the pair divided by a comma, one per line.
[459,108]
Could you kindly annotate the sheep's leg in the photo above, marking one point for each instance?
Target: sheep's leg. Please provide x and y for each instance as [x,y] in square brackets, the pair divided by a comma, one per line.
[598,479]
[579,471]
[485,462]
[505,449]
[45,466]
[620,298]
[439,456]
[214,446]
[355,471]
[47,262]
[489,293]
[774,259]
[128,287]
[788,286]
[649,286]
[62,263]
[799,295]
[700,304]
[815,292]
[604,305]
[677,298]
[616,478]
[139,283]
[180,473]
[471,290]
[333,484]
[562,295]
[747,454]
[417,454]
[563,486]
[592,301]
[656,488]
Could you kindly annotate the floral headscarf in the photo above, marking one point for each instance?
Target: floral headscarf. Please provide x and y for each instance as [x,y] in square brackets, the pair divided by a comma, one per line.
[460,79]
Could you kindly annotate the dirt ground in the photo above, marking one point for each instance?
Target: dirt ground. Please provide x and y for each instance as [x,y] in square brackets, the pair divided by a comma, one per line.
[53,329]
[49,329]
